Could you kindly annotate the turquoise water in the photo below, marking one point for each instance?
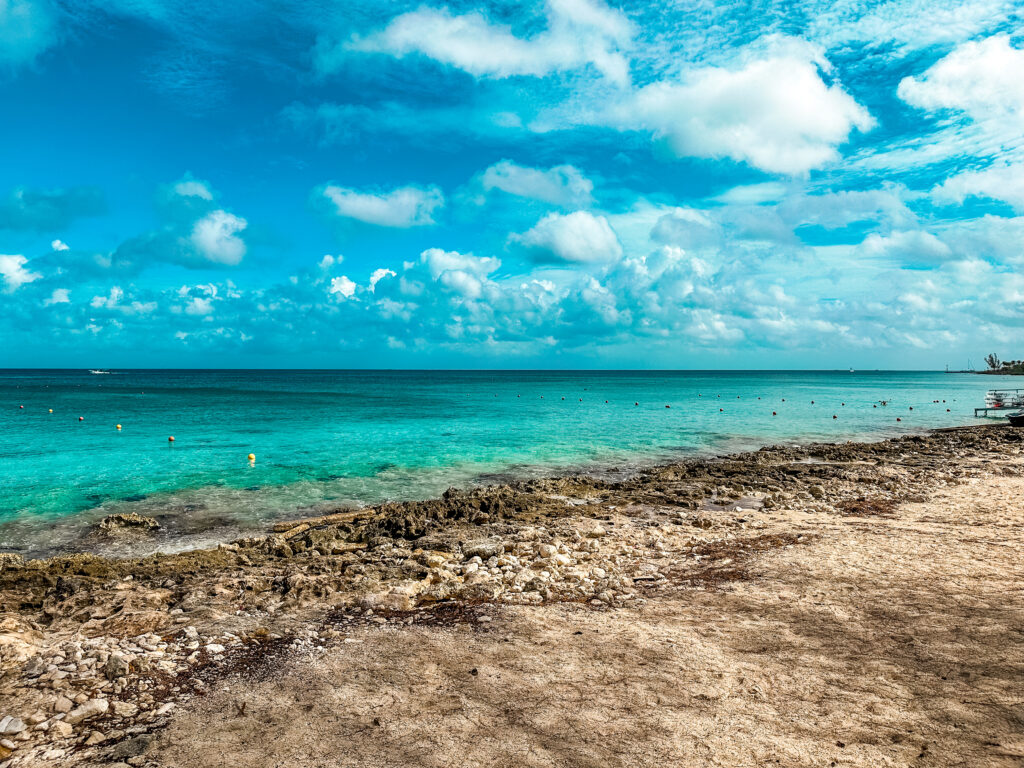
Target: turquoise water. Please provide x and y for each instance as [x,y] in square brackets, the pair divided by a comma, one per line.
[324,439]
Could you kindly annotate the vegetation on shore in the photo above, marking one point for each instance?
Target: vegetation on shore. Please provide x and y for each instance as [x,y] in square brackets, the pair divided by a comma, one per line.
[1003,367]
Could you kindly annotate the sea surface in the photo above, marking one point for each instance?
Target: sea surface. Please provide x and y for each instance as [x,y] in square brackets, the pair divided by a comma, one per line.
[329,439]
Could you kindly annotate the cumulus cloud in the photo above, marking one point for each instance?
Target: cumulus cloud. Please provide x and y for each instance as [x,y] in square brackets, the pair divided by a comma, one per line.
[59,245]
[342,286]
[378,275]
[14,273]
[193,188]
[981,78]
[562,185]
[579,33]
[215,237]
[772,110]
[49,209]
[402,207]
[579,237]
[59,296]
[1003,181]
[913,247]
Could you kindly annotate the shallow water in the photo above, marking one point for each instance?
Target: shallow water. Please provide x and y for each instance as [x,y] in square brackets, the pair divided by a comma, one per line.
[325,439]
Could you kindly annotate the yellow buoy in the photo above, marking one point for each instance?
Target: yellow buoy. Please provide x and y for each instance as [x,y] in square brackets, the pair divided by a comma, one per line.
[51,410]
[252,457]
[118,426]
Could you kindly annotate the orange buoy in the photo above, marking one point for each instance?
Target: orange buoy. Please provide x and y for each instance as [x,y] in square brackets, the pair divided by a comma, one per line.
[720,410]
[252,457]
[21,406]
[834,416]
[898,419]
[637,403]
[170,439]
[668,406]
[911,407]
[606,401]
[81,418]
[947,410]
[774,413]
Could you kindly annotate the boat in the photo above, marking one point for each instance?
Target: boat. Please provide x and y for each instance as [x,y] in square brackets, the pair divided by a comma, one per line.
[1001,400]
[1016,419]
[97,371]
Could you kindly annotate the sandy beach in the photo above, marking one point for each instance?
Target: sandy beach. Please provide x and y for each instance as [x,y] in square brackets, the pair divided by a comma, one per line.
[853,604]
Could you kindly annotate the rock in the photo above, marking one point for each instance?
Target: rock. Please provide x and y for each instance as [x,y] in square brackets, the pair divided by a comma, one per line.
[131,747]
[63,704]
[60,729]
[91,708]
[96,737]
[546,550]
[116,666]
[125,709]
[11,726]
[126,522]
[596,532]
[215,648]
[816,491]
[34,667]
[484,549]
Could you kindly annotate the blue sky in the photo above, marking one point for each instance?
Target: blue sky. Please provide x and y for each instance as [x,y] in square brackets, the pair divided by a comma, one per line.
[564,184]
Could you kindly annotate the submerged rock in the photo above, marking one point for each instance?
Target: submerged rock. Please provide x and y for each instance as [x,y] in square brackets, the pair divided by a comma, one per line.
[128,522]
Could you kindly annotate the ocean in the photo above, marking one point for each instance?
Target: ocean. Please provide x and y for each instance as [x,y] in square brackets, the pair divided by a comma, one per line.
[329,439]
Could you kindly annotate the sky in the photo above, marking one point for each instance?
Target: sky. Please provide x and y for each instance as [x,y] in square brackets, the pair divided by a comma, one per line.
[560,184]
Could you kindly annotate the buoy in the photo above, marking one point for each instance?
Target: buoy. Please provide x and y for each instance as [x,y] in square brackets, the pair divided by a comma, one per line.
[51,410]
[252,457]
[636,403]
[874,406]
[783,399]
[170,439]
[668,406]
[834,416]
[898,419]
[81,418]
[843,404]
[774,413]
[812,402]
[947,410]
[118,426]
[21,406]
[911,407]
[606,401]
[720,410]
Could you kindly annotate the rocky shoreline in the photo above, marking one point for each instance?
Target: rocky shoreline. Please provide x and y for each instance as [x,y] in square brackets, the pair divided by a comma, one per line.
[96,653]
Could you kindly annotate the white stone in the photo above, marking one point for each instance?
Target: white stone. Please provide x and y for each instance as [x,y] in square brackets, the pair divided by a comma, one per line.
[90,709]
[215,648]
[10,726]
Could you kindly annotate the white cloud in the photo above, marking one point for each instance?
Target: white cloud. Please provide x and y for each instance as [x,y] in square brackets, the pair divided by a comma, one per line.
[12,269]
[59,296]
[909,246]
[403,207]
[215,236]
[439,261]
[59,245]
[580,32]
[378,275]
[112,301]
[329,261]
[342,286]
[579,237]
[999,182]
[773,111]
[199,305]
[562,185]
[193,188]
[982,78]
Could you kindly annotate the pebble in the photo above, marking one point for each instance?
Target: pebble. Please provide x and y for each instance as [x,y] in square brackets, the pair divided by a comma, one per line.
[61,729]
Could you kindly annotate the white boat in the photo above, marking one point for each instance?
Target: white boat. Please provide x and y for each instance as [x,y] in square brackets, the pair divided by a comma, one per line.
[1001,400]
[97,372]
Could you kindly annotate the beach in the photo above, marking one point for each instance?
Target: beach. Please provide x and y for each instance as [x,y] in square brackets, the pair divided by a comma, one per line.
[836,603]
